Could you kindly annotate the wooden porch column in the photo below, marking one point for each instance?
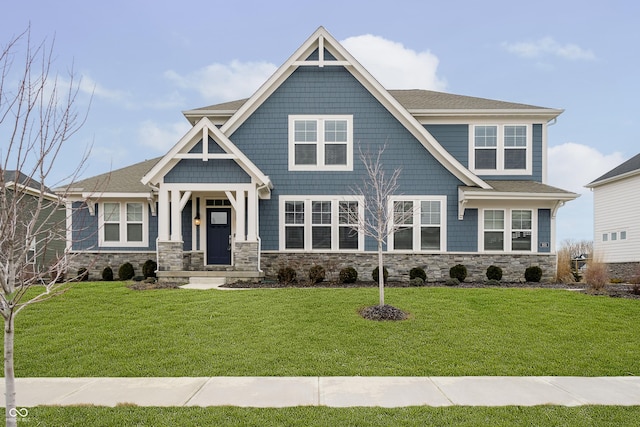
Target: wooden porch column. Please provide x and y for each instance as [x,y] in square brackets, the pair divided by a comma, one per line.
[163,214]
[252,215]
[176,217]
[240,216]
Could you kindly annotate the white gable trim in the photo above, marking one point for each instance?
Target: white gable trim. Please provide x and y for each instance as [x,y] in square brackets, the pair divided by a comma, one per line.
[322,39]
[203,129]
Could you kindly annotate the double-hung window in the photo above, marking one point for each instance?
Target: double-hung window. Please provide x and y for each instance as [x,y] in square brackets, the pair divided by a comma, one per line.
[320,143]
[494,230]
[500,223]
[521,230]
[500,149]
[123,224]
[419,223]
[320,223]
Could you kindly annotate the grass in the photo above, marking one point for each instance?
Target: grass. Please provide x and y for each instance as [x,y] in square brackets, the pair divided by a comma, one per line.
[319,416]
[105,329]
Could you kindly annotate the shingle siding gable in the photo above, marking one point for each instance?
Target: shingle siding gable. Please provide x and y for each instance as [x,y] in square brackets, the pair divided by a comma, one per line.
[263,137]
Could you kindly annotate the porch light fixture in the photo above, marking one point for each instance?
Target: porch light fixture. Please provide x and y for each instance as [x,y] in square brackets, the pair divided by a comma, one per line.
[196,220]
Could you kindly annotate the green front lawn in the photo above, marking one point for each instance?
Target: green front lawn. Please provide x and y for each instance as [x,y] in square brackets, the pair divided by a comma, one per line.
[106,329]
[319,416]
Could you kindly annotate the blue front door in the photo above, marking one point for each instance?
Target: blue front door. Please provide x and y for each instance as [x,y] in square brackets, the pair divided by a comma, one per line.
[218,236]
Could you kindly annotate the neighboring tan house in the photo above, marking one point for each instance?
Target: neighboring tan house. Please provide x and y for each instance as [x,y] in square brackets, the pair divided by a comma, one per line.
[616,201]
[47,246]
[275,171]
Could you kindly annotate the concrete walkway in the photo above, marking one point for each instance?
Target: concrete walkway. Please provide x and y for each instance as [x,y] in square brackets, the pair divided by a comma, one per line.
[329,391]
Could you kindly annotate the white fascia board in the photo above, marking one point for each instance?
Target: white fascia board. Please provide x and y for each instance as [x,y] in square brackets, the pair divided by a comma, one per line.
[538,113]
[32,191]
[613,179]
[493,195]
[117,195]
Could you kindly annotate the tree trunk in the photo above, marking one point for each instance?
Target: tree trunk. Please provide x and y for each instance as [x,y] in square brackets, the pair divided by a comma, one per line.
[9,374]
[380,274]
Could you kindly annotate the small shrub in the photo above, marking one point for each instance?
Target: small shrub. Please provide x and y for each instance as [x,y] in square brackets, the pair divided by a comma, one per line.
[635,289]
[83,274]
[286,275]
[417,272]
[596,275]
[493,282]
[452,282]
[316,274]
[416,281]
[138,278]
[149,268]
[459,272]
[494,273]
[107,274]
[376,274]
[533,274]
[126,271]
[348,275]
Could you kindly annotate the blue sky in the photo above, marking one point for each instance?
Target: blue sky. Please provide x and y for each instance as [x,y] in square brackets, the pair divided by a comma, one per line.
[146,61]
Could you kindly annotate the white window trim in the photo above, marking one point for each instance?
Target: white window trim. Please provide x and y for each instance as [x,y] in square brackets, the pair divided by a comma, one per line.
[500,149]
[320,166]
[31,247]
[123,225]
[417,222]
[507,229]
[335,226]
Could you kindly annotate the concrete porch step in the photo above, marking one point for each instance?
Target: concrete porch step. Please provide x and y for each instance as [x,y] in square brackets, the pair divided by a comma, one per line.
[208,278]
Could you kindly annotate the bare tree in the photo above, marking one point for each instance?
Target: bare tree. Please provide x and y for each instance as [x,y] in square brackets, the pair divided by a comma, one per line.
[379,220]
[37,116]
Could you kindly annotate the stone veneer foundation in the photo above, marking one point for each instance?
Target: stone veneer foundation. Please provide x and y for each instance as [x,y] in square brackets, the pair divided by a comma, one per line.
[398,265]
[625,271]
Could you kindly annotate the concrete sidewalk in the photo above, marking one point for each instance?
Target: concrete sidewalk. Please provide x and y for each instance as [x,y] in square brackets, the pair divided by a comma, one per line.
[329,391]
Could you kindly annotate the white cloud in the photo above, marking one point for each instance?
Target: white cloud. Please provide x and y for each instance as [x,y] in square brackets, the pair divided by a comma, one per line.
[225,82]
[161,137]
[395,66]
[91,87]
[548,46]
[572,166]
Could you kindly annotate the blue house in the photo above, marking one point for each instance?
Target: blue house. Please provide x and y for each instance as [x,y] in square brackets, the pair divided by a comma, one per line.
[260,183]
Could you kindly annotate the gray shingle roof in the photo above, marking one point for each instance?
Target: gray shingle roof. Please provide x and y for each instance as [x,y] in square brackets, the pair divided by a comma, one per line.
[631,165]
[519,186]
[416,99]
[124,180]
[23,179]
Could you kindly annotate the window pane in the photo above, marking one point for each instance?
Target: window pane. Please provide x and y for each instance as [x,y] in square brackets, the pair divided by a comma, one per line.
[403,212]
[305,131]
[494,220]
[112,212]
[521,220]
[134,232]
[111,232]
[294,212]
[134,212]
[348,238]
[521,241]
[493,240]
[335,154]
[486,159]
[515,159]
[614,236]
[486,136]
[305,154]
[294,237]
[348,213]
[403,239]
[515,136]
[623,235]
[430,238]
[335,131]
[321,212]
[430,213]
[321,238]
